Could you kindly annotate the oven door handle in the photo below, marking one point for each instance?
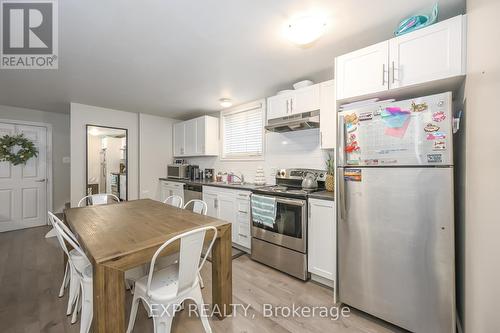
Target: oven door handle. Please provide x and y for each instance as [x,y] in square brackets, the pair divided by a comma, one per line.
[293,202]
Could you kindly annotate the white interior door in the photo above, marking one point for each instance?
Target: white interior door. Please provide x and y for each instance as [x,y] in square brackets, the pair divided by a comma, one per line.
[23,188]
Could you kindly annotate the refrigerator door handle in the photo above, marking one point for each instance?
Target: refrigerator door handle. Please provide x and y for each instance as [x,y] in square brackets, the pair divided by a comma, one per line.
[341,182]
[341,141]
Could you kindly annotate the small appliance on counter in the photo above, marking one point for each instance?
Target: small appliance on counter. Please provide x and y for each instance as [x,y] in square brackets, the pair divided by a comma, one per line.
[209,174]
[179,171]
[193,172]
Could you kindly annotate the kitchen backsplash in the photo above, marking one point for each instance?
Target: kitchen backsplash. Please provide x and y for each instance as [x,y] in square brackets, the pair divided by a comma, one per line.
[299,149]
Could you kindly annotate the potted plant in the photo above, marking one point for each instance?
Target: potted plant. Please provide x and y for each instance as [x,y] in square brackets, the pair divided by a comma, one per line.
[330,178]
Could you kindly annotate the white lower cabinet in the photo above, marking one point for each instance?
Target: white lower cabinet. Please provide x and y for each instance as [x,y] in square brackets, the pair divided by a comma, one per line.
[169,188]
[231,206]
[322,240]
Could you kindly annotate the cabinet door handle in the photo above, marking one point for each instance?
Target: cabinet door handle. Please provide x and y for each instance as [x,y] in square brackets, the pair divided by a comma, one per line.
[244,236]
[242,211]
[287,105]
[393,70]
[383,74]
[291,105]
[216,203]
[243,195]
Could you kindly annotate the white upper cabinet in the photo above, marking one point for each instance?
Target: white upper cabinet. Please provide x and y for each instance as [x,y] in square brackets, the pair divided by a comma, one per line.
[278,106]
[297,101]
[363,71]
[432,53]
[179,129]
[305,99]
[201,125]
[197,137]
[327,116]
[190,139]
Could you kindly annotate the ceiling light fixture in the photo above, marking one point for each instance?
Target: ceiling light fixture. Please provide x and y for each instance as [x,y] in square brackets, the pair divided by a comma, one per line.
[225,102]
[305,29]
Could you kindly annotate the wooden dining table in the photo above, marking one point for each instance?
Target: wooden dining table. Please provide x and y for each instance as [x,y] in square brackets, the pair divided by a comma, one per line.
[122,236]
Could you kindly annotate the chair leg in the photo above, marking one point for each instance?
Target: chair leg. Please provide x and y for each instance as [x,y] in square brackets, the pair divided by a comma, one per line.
[87,307]
[163,324]
[202,285]
[198,298]
[65,280]
[76,309]
[133,314]
[74,289]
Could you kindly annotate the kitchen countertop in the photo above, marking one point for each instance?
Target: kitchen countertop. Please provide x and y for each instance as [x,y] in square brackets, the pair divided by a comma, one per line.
[245,186]
[323,195]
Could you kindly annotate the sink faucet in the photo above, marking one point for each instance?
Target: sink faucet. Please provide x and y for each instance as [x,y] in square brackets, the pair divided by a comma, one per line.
[241,178]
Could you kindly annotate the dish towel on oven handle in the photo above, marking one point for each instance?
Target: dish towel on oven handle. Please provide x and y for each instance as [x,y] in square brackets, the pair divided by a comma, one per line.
[264,210]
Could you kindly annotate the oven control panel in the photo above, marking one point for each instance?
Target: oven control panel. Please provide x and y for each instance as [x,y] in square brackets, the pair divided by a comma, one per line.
[300,174]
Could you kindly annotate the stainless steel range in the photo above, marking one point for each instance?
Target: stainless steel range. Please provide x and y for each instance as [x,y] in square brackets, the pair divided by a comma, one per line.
[284,245]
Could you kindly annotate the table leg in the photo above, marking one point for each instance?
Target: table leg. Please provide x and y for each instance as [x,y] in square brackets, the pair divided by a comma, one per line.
[222,275]
[109,300]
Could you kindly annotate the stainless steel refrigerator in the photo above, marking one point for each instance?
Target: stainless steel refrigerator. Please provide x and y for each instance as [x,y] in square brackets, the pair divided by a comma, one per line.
[395,212]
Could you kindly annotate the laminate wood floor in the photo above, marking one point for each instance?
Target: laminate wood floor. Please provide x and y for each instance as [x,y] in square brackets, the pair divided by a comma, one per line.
[31,272]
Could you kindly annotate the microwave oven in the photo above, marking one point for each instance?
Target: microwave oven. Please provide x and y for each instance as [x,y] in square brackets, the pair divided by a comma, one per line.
[178,171]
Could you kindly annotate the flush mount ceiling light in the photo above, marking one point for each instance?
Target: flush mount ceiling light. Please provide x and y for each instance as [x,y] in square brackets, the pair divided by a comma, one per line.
[305,29]
[225,102]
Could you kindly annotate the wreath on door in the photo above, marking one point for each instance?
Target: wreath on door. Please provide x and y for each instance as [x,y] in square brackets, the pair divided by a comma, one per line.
[16,149]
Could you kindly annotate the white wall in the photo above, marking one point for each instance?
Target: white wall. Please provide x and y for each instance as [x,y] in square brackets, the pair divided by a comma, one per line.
[81,115]
[482,237]
[155,135]
[60,147]
[299,149]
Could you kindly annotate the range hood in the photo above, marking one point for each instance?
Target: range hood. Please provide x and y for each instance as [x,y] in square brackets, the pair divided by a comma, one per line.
[296,122]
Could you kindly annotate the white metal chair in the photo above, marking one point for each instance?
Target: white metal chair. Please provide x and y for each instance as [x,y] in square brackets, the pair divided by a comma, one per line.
[98,199]
[81,275]
[171,286]
[174,200]
[199,206]
[74,260]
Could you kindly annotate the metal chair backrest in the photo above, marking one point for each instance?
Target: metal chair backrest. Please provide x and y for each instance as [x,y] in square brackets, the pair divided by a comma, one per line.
[98,199]
[199,206]
[174,200]
[63,234]
[189,257]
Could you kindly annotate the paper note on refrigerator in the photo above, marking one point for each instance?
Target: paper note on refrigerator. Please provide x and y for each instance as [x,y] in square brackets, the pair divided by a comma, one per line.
[394,117]
[398,132]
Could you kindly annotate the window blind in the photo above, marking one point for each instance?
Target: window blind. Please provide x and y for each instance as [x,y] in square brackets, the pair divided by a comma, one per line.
[243,133]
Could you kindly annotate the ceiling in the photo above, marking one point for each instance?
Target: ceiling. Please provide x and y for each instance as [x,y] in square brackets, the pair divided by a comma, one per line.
[177,58]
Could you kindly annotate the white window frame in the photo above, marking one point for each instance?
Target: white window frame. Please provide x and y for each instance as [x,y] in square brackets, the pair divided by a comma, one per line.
[259,104]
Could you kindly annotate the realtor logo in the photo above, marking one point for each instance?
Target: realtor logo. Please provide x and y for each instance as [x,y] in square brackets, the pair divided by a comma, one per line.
[28,34]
